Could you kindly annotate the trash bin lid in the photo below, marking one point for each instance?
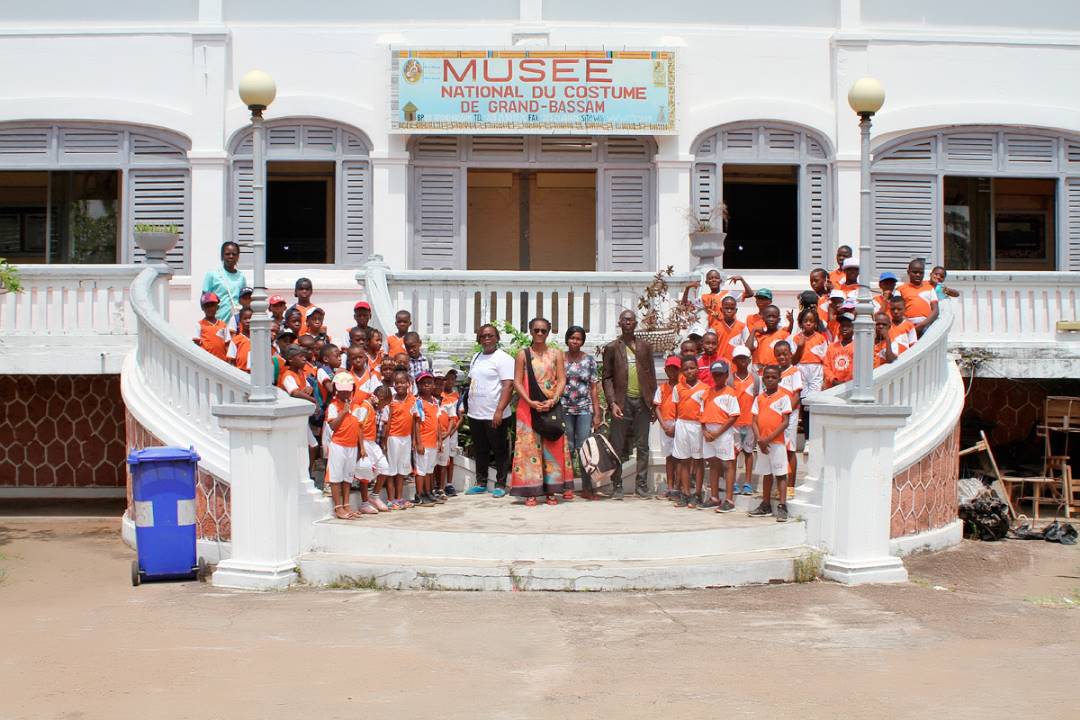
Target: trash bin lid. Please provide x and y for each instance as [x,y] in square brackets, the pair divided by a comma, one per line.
[162,454]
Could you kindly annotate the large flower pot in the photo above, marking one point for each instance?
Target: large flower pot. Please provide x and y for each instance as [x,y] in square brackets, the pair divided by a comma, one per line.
[708,248]
[156,244]
[661,340]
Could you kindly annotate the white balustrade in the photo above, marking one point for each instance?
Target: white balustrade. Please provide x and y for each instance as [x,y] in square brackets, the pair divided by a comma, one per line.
[1013,307]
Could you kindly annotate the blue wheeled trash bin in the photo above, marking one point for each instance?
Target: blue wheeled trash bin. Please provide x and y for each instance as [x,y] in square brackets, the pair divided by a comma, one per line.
[163,491]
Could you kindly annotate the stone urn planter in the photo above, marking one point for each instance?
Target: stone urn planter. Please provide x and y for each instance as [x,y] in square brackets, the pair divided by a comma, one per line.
[661,340]
[708,248]
[156,243]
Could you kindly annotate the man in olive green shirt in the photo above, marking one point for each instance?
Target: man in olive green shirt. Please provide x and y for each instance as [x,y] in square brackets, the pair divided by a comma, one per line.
[629,386]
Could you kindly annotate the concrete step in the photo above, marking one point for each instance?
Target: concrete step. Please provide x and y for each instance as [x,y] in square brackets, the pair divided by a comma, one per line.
[410,573]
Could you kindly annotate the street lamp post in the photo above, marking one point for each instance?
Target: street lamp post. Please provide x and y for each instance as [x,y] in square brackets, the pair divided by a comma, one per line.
[257,91]
[865,97]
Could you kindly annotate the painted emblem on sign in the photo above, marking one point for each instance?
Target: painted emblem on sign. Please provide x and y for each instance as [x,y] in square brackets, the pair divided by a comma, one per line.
[412,71]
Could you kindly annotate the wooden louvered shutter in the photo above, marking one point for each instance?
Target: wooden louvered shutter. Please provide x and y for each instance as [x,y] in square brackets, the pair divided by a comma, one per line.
[160,197]
[355,193]
[243,209]
[1071,261]
[905,217]
[628,221]
[817,222]
[707,189]
[436,236]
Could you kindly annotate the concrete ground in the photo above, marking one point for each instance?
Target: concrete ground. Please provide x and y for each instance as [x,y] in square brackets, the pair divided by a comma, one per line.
[982,631]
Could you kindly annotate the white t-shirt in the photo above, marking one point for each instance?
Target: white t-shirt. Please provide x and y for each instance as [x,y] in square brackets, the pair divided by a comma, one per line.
[485,384]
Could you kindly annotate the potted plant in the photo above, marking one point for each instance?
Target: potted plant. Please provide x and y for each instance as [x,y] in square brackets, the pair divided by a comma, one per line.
[707,234]
[9,278]
[156,240]
[661,318]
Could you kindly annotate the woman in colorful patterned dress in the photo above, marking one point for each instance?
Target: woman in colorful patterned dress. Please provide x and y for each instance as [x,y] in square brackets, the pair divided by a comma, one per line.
[540,467]
[581,399]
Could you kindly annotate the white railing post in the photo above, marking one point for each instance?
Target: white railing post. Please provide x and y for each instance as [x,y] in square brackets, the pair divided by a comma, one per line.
[373,275]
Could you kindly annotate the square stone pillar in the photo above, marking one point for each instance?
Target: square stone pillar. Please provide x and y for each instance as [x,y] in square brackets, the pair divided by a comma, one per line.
[267,457]
[856,490]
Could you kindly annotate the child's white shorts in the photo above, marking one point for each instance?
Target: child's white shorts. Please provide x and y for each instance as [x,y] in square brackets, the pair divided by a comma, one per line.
[425,461]
[311,441]
[791,431]
[373,463]
[687,440]
[776,459]
[667,443]
[399,455]
[744,438]
[722,448]
[340,462]
[442,455]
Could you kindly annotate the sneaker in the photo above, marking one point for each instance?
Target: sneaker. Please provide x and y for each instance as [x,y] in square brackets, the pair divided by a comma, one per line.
[682,500]
[643,493]
[710,503]
[617,492]
[498,492]
[449,491]
[379,504]
[425,501]
[476,490]
[747,490]
[726,507]
[440,497]
[693,502]
[761,510]
[781,513]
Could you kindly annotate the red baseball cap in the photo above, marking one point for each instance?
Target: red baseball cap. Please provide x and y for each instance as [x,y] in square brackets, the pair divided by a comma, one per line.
[275,299]
[362,304]
[209,297]
[673,361]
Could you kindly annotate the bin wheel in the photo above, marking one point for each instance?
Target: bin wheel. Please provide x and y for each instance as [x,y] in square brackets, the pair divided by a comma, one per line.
[135,578]
[201,571]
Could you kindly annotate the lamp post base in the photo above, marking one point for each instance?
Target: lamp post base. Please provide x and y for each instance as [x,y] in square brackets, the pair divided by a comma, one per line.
[877,570]
[255,576]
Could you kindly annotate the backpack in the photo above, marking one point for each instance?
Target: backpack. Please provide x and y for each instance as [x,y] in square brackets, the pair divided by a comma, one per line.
[598,460]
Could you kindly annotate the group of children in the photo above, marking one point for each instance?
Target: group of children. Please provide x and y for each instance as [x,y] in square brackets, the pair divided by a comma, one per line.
[380,413]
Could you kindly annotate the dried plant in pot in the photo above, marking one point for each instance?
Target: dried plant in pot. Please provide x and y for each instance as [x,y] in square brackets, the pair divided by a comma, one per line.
[707,234]
[662,319]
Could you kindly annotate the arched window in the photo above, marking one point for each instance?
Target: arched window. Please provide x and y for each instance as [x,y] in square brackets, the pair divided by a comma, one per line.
[776,182]
[73,192]
[978,198]
[318,195]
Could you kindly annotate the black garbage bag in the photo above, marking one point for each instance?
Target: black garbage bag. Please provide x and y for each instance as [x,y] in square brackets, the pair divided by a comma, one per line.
[1060,532]
[985,516]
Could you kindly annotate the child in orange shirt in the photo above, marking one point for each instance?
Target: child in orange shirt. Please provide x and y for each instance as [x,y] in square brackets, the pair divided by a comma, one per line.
[342,418]
[763,299]
[764,338]
[426,440]
[718,440]
[213,334]
[810,347]
[239,351]
[746,384]
[883,352]
[665,415]
[373,350]
[277,306]
[396,343]
[399,440]
[840,355]
[371,463]
[314,322]
[689,399]
[920,298]
[711,301]
[771,410]
[730,331]
[790,380]
[449,443]
[302,290]
[837,277]
[901,330]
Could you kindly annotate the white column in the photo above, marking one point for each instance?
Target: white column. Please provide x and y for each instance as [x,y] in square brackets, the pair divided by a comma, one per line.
[207,214]
[851,64]
[856,490]
[268,457]
[672,200]
[390,203]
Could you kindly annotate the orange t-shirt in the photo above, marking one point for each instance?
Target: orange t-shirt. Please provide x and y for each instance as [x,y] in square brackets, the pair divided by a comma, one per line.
[239,352]
[814,348]
[763,347]
[428,411]
[772,412]
[401,416]
[837,278]
[395,345]
[214,337]
[832,326]
[879,352]
[919,300]
[745,390]
[902,336]
[720,406]
[729,337]
[753,322]
[689,401]
[369,421]
[348,432]
[665,405]
[289,380]
[839,363]
[448,405]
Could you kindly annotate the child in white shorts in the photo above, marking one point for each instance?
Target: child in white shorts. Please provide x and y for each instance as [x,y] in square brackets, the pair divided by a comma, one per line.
[689,399]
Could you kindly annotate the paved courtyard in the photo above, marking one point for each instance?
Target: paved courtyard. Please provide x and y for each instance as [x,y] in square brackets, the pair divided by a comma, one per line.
[982,631]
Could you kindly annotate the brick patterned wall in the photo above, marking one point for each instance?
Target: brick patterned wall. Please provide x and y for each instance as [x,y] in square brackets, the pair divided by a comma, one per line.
[61,431]
[924,495]
[212,503]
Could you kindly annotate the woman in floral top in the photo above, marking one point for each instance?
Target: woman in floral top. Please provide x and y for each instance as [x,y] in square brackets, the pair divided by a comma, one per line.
[580,399]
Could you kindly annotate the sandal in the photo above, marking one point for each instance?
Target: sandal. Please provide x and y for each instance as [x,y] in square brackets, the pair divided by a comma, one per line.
[341,513]
[551,500]
[568,495]
[530,502]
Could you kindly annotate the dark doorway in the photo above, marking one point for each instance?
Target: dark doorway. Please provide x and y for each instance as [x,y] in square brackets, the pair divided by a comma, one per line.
[763,210]
[299,213]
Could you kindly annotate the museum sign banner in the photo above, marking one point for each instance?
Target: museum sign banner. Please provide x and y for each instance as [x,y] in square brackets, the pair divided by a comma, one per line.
[628,91]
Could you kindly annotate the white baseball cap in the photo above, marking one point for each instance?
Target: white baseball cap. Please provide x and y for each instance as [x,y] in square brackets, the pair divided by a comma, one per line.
[740,351]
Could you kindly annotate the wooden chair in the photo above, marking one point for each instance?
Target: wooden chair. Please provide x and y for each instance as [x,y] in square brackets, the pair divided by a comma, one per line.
[1014,485]
[1059,468]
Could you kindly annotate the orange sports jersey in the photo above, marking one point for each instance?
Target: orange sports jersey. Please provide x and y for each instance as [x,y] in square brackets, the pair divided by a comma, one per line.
[837,277]
[665,405]
[919,300]
[720,406]
[375,363]
[449,410]
[902,336]
[289,380]
[214,337]
[881,303]
[745,389]
[839,363]
[753,322]
[690,401]
[814,348]
[401,415]
[369,421]
[729,336]
[879,352]
[763,347]
[348,432]
[832,325]
[791,380]
[850,291]
[239,352]
[772,413]
[428,412]
[394,345]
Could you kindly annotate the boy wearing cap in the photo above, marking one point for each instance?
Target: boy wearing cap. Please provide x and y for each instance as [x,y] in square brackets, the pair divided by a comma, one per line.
[840,355]
[763,339]
[763,299]
[664,405]
[689,399]
[213,334]
[887,284]
[361,313]
[901,330]
[745,384]
[315,323]
[239,350]
[245,303]
[277,305]
[343,420]
[771,411]
[718,440]
[850,284]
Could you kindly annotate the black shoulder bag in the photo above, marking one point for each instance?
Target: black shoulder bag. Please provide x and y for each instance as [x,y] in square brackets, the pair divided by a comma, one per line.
[550,425]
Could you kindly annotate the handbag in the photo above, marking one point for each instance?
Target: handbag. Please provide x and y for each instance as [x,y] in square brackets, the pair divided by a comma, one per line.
[463,401]
[551,424]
